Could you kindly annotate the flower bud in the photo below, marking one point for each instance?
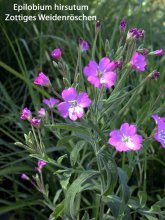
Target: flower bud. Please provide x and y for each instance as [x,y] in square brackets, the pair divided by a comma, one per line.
[122,26]
[35,122]
[56,53]
[41,164]
[41,112]
[135,34]
[42,80]
[26,114]
[159,52]
[118,64]
[83,45]
[154,74]
[98,24]
[24,176]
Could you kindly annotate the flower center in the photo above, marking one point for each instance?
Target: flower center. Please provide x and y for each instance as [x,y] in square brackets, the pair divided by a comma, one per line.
[99,74]
[73,103]
[128,141]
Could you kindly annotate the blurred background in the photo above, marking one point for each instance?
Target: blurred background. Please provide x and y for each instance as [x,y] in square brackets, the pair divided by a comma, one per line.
[25,50]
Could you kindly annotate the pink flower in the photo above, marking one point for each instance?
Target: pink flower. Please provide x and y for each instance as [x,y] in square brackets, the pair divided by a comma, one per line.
[160,133]
[126,138]
[41,112]
[56,53]
[40,164]
[83,45]
[24,176]
[138,62]
[159,52]
[101,74]
[74,104]
[35,122]
[26,114]
[50,102]
[42,80]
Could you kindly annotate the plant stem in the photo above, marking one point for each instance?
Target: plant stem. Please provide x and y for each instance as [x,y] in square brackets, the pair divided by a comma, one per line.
[36,139]
[41,143]
[55,93]
[102,182]
[94,45]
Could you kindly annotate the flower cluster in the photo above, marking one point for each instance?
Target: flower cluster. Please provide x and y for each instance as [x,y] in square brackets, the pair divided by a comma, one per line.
[102,74]
[26,114]
[37,180]
[40,165]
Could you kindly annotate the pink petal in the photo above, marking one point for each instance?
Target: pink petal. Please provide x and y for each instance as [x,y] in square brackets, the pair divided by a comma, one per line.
[83,100]
[125,128]
[132,129]
[79,111]
[95,81]
[103,64]
[93,64]
[69,94]
[72,114]
[90,70]
[109,79]
[63,109]
[137,139]
[120,147]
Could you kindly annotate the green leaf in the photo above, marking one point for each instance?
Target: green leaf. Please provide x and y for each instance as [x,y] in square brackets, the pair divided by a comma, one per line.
[14,169]
[69,127]
[143,198]
[125,190]
[75,152]
[77,187]
[60,159]
[64,179]
[160,203]
[65,140]
[97,129]
[149,217]
[110,167]
[19,205]
[113,202]
[66,82]
[85,216]
[58,211]
[19,144]
[57,195]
